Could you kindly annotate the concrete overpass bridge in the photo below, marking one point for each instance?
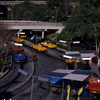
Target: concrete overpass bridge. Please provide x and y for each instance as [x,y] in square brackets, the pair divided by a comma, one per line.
[41,26]
[18,2]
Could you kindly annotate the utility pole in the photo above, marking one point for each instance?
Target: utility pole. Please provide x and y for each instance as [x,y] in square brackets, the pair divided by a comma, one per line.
[65,5]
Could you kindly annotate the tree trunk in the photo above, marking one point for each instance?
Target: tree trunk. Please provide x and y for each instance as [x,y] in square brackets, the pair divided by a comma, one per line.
[96,45]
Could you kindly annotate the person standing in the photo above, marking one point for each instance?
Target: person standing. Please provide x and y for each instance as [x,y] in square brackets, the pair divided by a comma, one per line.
[35,40]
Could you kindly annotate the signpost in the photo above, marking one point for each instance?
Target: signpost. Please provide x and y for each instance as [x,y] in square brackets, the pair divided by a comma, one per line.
[39,78]
[74,42]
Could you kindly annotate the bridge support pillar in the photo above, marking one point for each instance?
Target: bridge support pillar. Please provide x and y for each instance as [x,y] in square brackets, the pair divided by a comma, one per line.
[42,34]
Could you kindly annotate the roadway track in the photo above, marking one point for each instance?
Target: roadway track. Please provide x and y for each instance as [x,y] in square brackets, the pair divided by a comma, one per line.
[55,54]
[41,90]
[14,80]
[45,63]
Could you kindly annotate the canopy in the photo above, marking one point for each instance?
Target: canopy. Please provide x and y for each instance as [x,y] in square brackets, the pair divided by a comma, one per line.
[79,54]
[77,75]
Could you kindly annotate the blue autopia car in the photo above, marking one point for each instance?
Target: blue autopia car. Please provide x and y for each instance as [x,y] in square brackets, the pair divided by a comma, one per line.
[18,57]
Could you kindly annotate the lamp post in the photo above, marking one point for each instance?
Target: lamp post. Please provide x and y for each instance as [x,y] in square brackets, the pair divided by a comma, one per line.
[26,74]
[12,11]
[56,14]
[39,78]
[62,41]
[18,33]
[74,42]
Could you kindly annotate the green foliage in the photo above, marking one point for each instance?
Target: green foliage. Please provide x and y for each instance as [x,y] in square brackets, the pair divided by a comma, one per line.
[52,35]
[82,22]
[30,10]
[89,3]
[54,3]
[51,20]
[63,9]
[61,46]
[1,64]
[59,14]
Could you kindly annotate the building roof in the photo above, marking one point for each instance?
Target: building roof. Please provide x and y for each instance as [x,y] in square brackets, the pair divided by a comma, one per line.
[79,54]
[77,75]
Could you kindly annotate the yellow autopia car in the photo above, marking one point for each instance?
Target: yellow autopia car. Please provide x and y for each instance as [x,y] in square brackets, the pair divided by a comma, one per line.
[18,40]
[39,48]
[49,45]
[70,61]
[23,36]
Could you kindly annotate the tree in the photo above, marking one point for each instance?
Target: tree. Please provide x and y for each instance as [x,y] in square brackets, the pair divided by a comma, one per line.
[57,13]
[30,11]
[39,12]
[64,5]
[82,22]
[5,36]
[54,3]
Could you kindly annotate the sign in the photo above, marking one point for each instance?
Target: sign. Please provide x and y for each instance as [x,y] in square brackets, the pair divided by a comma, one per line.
[62,41]
[1,13]
[43,79]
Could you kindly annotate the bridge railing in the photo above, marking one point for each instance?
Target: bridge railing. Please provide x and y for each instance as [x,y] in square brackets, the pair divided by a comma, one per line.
[30,23]
[18,2]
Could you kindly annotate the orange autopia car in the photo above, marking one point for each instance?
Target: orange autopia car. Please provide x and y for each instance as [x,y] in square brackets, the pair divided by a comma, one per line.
[94,86]
[16,48]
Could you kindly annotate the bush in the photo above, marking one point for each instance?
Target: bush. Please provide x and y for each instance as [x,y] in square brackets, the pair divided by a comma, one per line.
[61,46]
[52,35]
[99,54]
[1,63]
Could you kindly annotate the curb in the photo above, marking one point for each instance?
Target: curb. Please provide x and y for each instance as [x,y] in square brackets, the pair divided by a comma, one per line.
[11,90]
[56,55]
[32,71]
[28,78]
[18,86]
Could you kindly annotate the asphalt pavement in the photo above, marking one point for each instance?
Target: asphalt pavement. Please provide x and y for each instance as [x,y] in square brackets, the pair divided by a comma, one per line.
[15,80]
[92,65]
